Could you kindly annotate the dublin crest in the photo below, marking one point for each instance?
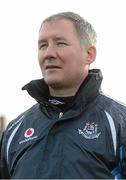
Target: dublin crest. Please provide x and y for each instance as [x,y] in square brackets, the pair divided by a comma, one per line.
[90,131]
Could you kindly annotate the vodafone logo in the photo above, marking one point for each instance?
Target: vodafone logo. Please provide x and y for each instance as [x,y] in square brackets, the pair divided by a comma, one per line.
[28,136]
[29,132]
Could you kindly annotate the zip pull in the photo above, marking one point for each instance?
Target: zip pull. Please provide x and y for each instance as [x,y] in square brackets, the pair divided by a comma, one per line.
[60,114]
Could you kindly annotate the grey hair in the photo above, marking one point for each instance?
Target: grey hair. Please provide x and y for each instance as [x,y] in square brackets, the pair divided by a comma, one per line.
[84,29]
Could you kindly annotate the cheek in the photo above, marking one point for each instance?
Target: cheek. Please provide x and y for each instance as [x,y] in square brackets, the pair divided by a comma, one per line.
[40,59]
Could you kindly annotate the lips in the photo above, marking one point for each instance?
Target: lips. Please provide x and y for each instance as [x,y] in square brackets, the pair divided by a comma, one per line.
[52,67]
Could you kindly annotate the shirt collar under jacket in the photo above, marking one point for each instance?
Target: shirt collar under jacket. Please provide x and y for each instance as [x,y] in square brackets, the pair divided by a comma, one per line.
[89,89]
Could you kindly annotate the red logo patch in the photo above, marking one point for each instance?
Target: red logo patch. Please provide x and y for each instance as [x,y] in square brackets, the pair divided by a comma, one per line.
[29,132]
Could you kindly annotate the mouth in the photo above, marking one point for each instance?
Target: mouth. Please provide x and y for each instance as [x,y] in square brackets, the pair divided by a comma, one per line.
[52,67]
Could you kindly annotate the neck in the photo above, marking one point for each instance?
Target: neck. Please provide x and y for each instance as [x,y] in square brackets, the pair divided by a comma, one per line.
[65,91]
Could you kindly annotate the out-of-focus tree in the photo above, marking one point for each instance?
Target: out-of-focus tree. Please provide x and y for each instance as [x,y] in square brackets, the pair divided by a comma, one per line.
[2,124]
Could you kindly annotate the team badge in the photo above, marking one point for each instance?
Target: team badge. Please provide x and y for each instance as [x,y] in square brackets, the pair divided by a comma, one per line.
[90,131]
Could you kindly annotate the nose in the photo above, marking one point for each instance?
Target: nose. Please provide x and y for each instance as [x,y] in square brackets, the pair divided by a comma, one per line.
[50,52]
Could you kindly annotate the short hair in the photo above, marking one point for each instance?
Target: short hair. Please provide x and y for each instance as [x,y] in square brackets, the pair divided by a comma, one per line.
[84,29]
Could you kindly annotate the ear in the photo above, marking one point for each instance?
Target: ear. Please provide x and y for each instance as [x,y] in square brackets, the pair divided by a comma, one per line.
[91,54]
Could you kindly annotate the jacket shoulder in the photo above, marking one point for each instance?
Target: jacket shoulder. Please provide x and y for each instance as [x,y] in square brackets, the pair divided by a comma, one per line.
[117,112]
[22,116]
[112,105]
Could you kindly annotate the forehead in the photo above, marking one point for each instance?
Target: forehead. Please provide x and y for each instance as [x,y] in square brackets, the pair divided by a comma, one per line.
[60,27]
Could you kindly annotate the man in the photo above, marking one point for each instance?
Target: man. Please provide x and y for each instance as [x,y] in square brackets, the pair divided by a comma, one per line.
[74,131]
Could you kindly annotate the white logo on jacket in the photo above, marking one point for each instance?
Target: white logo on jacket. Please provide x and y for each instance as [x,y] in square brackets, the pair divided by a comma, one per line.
[90,131]
[28,134]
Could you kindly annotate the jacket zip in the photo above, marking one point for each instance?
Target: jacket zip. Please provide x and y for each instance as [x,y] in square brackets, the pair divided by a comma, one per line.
[60,114]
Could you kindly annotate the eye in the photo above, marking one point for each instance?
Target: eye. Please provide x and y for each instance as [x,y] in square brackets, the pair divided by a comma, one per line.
[61,44]
[43,46]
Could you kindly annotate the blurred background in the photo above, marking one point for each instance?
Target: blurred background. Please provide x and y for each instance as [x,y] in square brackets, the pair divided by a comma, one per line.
[19,24]
[2,124]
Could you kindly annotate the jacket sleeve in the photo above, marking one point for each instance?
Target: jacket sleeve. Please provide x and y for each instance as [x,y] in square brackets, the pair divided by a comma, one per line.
[123,161]
[123,149]
[122,139]
[120,170]
[4,173]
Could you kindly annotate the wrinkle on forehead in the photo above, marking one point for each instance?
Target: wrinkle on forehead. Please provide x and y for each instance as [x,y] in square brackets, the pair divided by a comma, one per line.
[57,28]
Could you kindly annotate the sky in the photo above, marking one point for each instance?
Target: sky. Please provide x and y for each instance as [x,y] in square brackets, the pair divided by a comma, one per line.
[19,24]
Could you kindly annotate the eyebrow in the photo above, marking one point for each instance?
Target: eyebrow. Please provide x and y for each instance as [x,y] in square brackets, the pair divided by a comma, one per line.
[59,38]
[56,39]
[41,41]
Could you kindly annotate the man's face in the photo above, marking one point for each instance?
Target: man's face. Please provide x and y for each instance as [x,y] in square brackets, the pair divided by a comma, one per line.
[61,56]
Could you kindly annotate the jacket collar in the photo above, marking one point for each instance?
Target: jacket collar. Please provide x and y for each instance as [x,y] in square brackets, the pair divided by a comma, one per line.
[89,89]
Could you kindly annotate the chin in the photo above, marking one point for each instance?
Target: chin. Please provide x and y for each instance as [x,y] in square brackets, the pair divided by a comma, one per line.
[53,82]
